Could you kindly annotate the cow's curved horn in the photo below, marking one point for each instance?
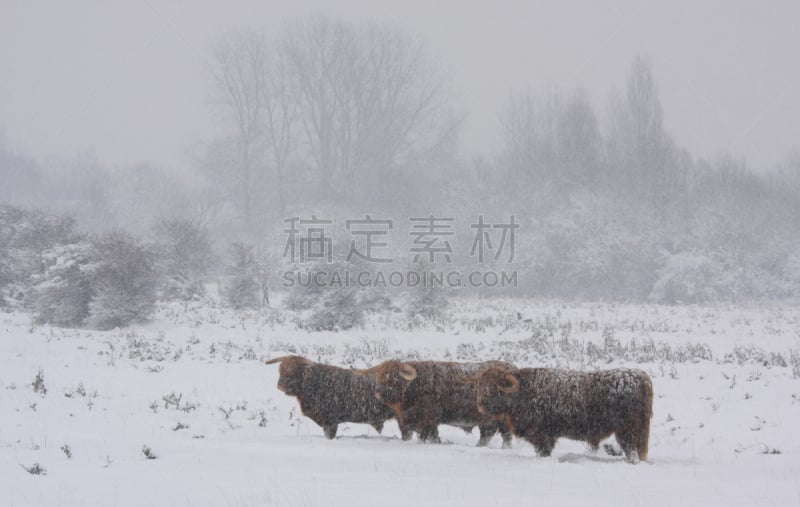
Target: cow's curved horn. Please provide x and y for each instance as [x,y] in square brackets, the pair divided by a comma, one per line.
[367,371]
[513,387]
[408,372]
[284,358]
[277,359]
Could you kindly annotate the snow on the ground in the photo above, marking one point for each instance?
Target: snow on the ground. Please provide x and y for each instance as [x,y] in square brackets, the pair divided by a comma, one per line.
[724,427]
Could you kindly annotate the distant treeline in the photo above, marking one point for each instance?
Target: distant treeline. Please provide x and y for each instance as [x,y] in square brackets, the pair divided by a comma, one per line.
[340,119]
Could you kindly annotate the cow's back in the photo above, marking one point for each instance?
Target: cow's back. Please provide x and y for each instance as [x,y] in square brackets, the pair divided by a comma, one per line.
[334,395]
[441,392]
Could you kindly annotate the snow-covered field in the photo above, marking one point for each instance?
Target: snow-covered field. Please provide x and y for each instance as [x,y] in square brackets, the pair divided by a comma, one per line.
[191,386]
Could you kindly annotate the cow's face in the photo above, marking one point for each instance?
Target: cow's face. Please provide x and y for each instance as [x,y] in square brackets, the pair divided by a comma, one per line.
[291,374]
[392,379]
[496,389]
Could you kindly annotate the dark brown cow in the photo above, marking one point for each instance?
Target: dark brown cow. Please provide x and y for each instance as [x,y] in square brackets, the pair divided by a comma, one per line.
[425,394]
[543,404]
[329,395]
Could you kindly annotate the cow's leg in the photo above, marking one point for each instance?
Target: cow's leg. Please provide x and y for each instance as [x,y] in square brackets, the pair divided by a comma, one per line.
[505,431]
[429,435]
[543,444]
[506,437]
[378,426]
[406,431]
[643,439]
[487,432]
[628,445]
[330,430]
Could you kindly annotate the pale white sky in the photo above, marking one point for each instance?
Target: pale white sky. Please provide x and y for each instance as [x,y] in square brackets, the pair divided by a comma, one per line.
[125,80]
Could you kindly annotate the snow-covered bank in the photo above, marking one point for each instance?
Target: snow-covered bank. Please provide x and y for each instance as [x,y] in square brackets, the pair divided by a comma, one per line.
[192,387]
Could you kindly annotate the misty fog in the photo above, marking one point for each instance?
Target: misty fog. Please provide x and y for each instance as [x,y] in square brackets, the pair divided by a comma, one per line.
[622,145]
[295,253]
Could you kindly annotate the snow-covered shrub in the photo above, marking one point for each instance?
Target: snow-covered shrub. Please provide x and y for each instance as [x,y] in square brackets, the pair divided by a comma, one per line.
[794,359]
[6,274]
[241,287]
[148,453]
[314,280]
[332,294]
[376,300]
[690,278]
[123,284]
[326,289]
[305,292]
[184,257]
[35,469]
[336,309]
[107,282]
[7,232]
[38,383]
[589,249]
[62,293]
[427,300]
[427,303]
[24,238]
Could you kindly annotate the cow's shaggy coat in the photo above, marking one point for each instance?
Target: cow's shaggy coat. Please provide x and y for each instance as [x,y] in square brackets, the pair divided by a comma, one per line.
[543,404]
[329,395]
[425,394]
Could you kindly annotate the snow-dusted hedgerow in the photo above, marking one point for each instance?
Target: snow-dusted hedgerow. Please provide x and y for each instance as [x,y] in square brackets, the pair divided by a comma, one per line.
[124,282]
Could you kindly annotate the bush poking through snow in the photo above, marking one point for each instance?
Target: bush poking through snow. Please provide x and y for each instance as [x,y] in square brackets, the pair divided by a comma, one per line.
[184,257]
[336,310]
[148,452]
[426,302]
[240,288]
[25,238]
[124,283]
[172,399]
[35,469]
[79,391]
[689,278]
[67,450]
[794,359]
[38,383]
[61,294]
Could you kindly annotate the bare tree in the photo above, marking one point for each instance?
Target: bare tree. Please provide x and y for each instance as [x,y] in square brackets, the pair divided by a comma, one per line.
[529,154]
[372,103]
[362,108]
[281,103]
[641,152]
[238,66]
[578,142]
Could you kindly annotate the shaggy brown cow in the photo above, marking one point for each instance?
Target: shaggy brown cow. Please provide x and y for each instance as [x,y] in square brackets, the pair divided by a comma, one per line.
[424,394]
[543,404]
[329,395]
